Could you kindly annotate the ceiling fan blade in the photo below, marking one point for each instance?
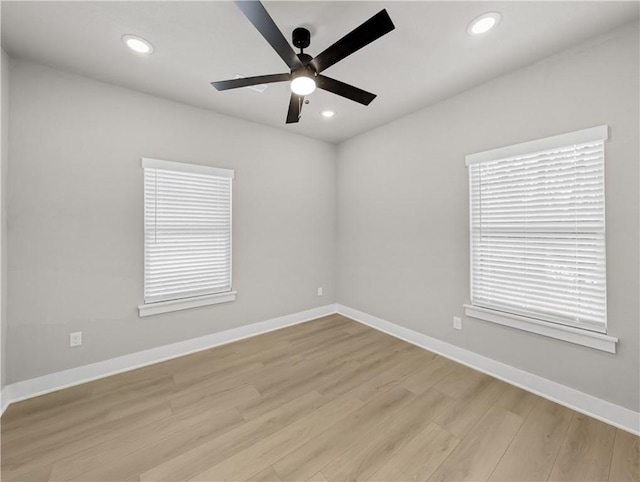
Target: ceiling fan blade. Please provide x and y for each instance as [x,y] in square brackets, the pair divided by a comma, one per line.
[247,81]
[295,108]
[344,90]
[261,20]
[374,28]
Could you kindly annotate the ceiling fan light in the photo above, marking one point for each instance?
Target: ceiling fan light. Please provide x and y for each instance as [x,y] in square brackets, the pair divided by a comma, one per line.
[303,85]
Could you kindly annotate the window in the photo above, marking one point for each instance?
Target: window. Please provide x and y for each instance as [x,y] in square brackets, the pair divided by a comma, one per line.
[537,225]
[187,236]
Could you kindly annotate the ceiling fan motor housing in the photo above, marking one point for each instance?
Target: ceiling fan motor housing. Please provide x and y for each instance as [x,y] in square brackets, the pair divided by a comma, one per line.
[306,61]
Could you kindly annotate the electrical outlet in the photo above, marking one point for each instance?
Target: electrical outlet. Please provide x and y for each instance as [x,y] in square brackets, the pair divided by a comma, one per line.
[75,339]
[457,323]
[319,291]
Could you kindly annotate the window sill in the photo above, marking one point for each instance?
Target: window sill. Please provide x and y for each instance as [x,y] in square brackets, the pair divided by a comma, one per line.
[186,303]
[591,339]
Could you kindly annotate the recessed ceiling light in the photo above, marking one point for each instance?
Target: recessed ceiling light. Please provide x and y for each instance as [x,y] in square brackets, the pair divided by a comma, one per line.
[328,113]
[484,23]
[137,44]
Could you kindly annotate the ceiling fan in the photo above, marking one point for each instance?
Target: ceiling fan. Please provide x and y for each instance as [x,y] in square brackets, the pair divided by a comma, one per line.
[305,74]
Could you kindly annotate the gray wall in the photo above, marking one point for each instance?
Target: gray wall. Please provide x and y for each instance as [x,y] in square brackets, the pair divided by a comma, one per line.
[4,84]
[75,218]
[403,210]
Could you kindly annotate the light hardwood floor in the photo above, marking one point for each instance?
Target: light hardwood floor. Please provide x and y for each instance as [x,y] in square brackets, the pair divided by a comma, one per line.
[325,400]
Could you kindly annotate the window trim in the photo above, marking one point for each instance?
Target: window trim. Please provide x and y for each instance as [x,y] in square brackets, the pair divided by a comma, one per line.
[185,303]
[598,133]
[166,306]
[578,335]
[150,163]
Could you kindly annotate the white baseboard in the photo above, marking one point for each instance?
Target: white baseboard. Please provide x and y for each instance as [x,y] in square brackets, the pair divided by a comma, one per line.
[597,408]
[607,412]
[3,402]
[75,376]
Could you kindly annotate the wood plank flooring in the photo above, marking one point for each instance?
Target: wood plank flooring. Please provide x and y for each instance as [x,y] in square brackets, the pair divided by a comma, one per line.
[326,400]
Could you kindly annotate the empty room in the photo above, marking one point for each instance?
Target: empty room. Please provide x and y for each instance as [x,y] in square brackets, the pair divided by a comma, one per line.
[320,240]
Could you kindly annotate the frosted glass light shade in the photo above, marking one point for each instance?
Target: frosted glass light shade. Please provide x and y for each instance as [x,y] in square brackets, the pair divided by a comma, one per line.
[303,85]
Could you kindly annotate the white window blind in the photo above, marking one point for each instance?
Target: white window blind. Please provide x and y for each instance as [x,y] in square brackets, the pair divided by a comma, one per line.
[187,230]
[538,229]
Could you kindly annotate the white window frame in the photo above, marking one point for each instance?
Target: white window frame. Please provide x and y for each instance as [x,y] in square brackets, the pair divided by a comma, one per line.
[577,335]
[165,306]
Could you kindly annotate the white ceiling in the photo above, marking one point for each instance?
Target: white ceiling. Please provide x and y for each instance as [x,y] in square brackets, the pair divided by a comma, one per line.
[428,57]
